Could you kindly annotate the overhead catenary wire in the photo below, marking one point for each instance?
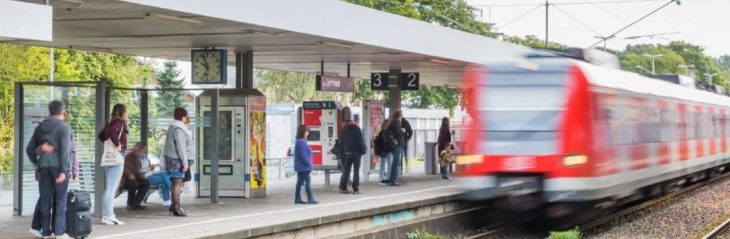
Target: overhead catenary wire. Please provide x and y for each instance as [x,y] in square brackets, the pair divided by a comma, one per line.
[578,20]
[634,22]
[560,3]
[519,17]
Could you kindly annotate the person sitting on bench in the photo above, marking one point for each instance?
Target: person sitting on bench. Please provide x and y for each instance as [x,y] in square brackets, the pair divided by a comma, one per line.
[156,177]
[133,180]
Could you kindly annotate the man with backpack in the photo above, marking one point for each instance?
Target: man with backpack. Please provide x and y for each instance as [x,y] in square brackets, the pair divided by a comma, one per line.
[353,145]
[52,170]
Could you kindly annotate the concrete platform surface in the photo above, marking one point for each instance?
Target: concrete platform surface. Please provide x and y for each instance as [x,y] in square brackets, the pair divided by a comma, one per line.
[276,213]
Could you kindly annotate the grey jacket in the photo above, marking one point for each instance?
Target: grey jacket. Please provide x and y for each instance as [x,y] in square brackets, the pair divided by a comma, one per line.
[58,134]
[179,145]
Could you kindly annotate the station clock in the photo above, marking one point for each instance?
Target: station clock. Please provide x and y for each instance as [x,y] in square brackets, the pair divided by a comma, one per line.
[209,66]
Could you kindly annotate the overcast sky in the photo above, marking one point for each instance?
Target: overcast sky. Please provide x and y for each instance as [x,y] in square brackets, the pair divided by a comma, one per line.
[700,22]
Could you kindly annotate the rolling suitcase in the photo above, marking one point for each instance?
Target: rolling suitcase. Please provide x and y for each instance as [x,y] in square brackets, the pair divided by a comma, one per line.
[78,216]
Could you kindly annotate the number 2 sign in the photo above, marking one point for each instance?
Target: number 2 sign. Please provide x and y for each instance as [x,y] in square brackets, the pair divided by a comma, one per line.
[409,81]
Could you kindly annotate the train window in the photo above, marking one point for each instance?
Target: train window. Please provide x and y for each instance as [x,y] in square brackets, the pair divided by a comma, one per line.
[527,79]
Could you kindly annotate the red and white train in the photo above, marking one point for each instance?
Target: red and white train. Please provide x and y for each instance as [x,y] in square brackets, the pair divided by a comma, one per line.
[559,130]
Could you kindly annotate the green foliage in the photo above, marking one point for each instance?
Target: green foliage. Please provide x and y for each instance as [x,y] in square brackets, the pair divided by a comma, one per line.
[674,54]
[571,234]
[291,87]
[167,81]
[429,97]
[456,14]
[421,233]
[26,63]
[534,42]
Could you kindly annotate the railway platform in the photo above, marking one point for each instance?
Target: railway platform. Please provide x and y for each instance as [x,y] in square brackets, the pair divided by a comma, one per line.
[276,216]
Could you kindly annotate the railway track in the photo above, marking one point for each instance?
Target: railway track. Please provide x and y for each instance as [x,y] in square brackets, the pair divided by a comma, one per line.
[621,213]
[719,230]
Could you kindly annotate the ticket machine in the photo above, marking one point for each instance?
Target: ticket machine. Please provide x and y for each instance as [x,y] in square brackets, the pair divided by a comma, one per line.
[241,143]
[324,119]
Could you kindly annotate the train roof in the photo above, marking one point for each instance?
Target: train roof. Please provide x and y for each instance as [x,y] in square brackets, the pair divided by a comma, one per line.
[629,81]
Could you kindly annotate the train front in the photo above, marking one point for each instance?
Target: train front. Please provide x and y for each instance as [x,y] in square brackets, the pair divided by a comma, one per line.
[529,139]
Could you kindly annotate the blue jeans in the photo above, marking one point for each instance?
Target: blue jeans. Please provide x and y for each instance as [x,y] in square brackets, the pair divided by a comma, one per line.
[303,179]
[395,165]
[164,183]
[51,206]
[113,177]
[385,162]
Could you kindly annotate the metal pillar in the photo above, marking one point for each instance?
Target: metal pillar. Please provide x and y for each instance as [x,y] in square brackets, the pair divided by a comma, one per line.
[215,131]
[102,109]
[547,11]
[244,70]
[394,90]
[18,150]
[144,115]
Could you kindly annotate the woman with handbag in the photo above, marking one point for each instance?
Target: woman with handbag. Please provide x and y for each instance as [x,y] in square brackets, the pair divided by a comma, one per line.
[114,137]
[176,155]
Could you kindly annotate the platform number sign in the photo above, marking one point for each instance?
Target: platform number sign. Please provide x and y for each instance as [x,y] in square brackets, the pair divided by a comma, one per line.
[379,81]
[409,81]
[406,81]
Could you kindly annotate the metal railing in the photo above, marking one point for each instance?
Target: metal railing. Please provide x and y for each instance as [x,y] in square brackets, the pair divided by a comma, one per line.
[285,167]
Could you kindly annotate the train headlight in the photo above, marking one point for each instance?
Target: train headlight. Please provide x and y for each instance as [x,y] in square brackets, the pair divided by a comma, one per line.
[575,160]
[469,159]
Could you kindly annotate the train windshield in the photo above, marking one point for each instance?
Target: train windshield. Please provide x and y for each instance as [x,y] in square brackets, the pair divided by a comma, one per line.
[521,112]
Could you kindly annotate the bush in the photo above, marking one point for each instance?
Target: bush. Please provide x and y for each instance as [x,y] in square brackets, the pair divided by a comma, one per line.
[571,234]
[421,233]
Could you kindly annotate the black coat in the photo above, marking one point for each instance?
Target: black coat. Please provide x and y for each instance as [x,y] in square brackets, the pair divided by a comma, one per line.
[409,131]
[395,129]
[352,140]
[444,139]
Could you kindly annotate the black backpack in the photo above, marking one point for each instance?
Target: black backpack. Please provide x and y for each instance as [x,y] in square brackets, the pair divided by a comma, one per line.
[389,142]
[378,144]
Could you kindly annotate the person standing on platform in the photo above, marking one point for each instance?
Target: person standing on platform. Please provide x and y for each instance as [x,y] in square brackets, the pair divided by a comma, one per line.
[407,135]
[303,166]
[51,171]
[176,155]
[386,151]
[353,144]
[116,131]
[444,147]
[398,133]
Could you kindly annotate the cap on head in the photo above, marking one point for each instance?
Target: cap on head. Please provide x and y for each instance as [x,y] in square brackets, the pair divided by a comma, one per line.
[56,107]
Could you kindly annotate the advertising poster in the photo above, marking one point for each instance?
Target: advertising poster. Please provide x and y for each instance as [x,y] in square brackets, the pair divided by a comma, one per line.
[376,115]
[257,151]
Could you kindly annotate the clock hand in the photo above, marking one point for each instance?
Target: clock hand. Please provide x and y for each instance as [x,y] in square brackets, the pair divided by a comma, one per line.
[205,62]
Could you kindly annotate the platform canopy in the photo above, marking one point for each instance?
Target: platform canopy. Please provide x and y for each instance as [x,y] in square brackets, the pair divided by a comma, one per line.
[15,23]
[290,35]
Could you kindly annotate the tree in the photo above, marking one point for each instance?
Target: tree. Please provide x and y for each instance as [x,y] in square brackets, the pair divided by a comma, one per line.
[170,95]
[634,59]
[533,41]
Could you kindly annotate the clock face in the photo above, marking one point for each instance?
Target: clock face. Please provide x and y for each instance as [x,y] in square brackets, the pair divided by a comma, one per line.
[207,66]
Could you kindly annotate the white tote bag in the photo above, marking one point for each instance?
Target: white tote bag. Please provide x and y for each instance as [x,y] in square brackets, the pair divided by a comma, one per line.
[111,157]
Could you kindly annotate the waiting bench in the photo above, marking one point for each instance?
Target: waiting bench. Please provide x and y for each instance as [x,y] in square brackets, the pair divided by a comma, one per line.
[86,180]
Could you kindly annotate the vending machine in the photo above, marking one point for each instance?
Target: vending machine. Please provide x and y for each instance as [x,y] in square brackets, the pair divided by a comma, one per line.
[324,120]
[241,143]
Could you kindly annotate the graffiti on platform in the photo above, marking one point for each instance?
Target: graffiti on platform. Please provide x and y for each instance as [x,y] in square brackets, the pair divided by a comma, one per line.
[393,217]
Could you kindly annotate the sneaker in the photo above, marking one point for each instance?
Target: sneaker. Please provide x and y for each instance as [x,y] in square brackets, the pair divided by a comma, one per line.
[111,221]
[394,184]
[140,207]
[356,192]
[36,233]
[345,191]
[312,202]
[131,208]
[167,203]
[64,236]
